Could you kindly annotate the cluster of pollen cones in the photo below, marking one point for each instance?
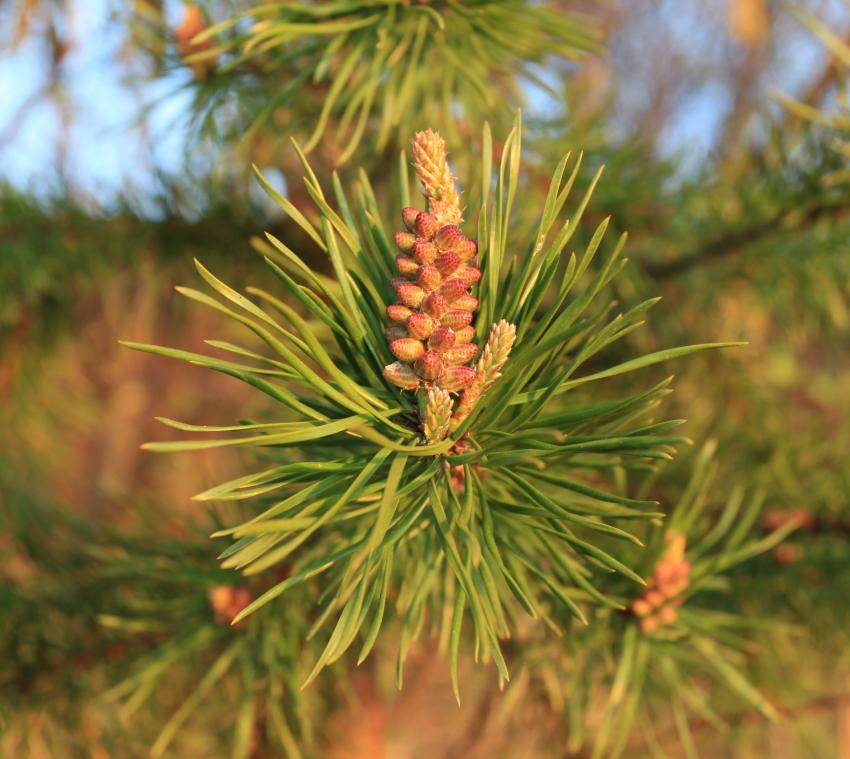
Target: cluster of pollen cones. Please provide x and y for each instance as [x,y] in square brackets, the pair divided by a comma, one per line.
[430,328]
[431,333]
[659,604]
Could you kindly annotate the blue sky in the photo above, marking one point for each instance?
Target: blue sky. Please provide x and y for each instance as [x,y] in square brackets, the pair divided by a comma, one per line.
[103,154]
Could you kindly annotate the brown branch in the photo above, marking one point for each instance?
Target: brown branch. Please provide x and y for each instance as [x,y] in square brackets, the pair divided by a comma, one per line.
[732,242]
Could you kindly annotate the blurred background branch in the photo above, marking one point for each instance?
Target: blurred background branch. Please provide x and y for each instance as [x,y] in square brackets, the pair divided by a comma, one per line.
[122,157]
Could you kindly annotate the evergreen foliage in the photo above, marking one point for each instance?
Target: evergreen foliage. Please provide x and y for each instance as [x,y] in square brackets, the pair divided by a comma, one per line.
[457,439]
[382,68]
[502,512]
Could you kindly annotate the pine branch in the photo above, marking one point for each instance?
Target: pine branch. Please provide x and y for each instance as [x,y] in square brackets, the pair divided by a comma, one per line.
[382,64]
[733,242]
[360,493]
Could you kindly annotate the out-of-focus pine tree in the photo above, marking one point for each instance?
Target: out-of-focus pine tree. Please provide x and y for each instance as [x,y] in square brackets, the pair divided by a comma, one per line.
[492,496]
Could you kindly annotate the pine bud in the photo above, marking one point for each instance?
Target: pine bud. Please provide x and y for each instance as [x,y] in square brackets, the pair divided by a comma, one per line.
[496,352]
[670,579]
[451,240]
[404,241]
[429,366]
[424,252]
[227,601]
[672,589]
[398,313]
[649,624]
[191,26]
[449,237]
[447,263]
[428,278]
[409,294]
[441,339]
[456,378]
[408,216]
[460,354]
[452,290]
[407,348]
[675,550]
[667,615]
[665,571]
[420,325]
[406,266]
[487,370]
[426,225]
[469,275]
[438,414]
[401,375]
[435,177]
[219,598]
[466,303]
[456,319]
[435,305]
[467,249]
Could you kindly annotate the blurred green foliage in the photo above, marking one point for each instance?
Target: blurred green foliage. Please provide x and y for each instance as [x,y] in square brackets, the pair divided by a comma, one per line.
[106,588]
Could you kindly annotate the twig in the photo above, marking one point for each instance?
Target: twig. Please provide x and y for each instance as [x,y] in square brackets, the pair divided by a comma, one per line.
[730,243]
